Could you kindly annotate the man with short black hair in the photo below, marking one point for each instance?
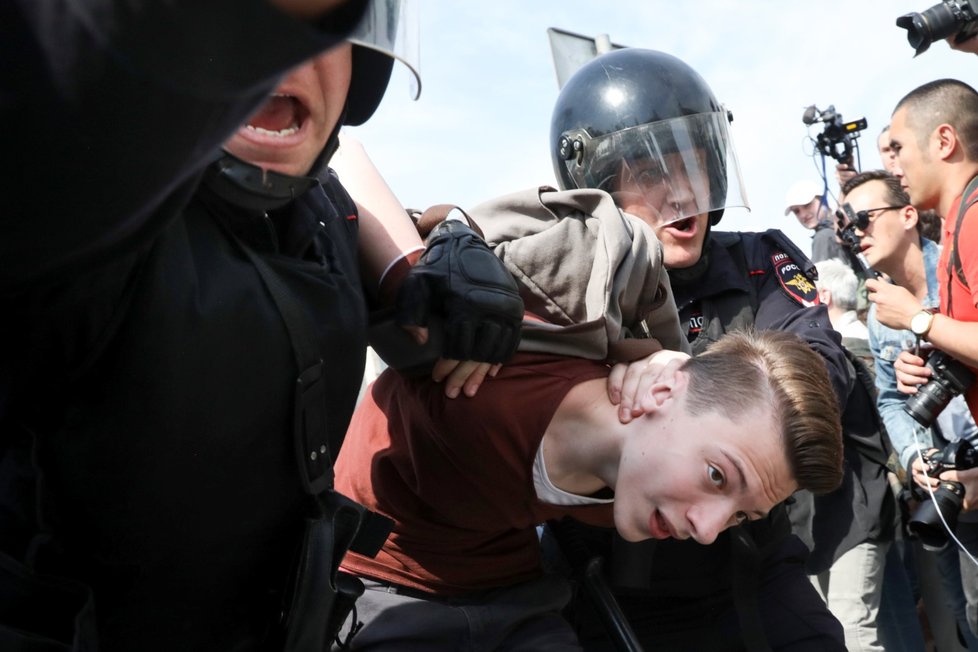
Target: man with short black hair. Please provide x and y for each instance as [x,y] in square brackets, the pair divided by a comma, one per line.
[935,134]
[934,131]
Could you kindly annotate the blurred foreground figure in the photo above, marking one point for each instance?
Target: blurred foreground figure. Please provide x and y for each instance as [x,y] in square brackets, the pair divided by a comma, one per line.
[185,326]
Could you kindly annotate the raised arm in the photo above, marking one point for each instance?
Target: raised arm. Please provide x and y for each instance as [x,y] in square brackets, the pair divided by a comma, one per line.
[114,107]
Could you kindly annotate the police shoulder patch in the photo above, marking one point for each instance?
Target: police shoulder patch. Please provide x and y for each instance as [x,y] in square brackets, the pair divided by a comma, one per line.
[793,280]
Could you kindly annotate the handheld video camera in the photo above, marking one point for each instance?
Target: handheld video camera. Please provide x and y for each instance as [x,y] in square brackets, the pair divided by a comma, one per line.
[958,17]
[838,138]
[848,221]
[926,522]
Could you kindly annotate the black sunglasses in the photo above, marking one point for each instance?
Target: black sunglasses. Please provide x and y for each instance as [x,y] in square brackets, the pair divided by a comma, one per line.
[861,219]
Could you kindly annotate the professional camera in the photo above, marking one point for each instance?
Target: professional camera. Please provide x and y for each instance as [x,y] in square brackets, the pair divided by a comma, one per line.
[948,379]
[838,138]
[926,523]
[958,17]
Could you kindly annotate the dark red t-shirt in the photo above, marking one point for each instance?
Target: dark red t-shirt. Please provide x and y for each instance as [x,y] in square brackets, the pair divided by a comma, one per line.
[456,474]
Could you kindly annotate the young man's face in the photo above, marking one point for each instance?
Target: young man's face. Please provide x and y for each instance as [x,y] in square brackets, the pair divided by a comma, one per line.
[290,130]
[913,163]
[884,241]
[693,476]
[668,203]
[810,214]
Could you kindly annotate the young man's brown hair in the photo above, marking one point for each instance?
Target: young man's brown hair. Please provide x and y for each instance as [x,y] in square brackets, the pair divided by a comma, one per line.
[775,367]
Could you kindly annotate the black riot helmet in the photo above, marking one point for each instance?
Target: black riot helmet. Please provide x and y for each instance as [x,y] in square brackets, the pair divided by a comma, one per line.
[387,31]
[642,121]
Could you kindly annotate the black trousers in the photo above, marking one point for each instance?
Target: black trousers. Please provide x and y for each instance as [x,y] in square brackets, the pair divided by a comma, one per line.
[794,617]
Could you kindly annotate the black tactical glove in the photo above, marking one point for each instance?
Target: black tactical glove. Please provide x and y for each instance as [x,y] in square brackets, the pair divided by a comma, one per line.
[459,278]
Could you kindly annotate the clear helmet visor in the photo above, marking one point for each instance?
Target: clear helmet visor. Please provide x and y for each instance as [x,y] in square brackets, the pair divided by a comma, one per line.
[664,171]
[393,28]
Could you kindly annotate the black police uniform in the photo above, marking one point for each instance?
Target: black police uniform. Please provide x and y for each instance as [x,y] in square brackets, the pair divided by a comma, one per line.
[144,359]
[686,596]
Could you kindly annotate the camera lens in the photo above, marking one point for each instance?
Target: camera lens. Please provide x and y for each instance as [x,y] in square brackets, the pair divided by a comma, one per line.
[928,26]
[931,397]
[926,523]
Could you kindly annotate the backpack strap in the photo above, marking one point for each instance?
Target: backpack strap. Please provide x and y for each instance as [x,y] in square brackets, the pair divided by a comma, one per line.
[954,265]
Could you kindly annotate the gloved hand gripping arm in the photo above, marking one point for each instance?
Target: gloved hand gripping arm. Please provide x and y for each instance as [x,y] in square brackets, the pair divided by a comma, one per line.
[459,279]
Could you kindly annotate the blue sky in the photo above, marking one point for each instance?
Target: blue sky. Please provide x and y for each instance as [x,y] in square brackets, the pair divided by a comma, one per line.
[480,128]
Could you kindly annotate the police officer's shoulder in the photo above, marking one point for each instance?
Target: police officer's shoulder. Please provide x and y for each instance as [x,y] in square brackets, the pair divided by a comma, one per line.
[779,242]
[794,271]
[727,239]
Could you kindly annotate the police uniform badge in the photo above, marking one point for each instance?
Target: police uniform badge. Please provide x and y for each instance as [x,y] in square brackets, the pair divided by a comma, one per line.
[793,280]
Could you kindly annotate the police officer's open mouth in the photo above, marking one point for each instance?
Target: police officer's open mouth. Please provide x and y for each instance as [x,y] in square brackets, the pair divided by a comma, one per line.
[281,115]
[683,225]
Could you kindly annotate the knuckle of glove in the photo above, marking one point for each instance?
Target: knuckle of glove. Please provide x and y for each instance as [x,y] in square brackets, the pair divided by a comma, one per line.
[435,252]
[479,266]
[475,337]
[490,303]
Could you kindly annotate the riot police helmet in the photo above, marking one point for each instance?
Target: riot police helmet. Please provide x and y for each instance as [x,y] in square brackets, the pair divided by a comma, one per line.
[387,32]
[642,121]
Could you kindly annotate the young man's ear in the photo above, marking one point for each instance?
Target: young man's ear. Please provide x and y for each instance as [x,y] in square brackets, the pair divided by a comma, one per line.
[910,218]
[946,140]
[670,385]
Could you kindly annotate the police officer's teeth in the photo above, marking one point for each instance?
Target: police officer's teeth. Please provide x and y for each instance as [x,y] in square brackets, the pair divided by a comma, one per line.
[288,131]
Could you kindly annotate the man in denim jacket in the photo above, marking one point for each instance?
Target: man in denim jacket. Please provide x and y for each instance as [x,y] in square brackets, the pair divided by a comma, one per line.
[891,244]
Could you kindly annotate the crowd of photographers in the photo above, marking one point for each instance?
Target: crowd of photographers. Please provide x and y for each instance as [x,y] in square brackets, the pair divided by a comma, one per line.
[909,261]
[606,425]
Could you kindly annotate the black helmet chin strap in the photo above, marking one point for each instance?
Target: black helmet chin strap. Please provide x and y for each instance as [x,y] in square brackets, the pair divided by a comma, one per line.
[249,187]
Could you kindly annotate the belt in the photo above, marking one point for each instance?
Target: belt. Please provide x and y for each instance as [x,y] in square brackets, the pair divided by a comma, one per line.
[406,591]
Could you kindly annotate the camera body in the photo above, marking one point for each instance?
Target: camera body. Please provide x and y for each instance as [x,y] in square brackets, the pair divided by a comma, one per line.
[926,523]
[949,378]
[838,137]
[950,17]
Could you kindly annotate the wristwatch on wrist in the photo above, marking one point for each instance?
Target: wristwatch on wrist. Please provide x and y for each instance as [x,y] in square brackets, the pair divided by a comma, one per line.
[921,322]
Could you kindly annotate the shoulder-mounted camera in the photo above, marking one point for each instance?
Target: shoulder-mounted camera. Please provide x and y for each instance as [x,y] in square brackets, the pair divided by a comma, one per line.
[838,137]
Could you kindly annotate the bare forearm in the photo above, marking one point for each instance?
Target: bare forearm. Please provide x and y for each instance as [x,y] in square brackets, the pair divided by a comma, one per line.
[959,339]
[387,234]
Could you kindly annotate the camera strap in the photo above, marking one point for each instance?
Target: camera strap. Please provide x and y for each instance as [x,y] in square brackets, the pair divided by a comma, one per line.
[954,265]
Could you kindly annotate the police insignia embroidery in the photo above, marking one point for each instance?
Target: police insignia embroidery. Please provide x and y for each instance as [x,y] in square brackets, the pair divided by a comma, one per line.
[798,286]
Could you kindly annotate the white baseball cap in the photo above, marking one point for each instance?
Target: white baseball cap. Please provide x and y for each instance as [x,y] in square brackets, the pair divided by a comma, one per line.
[801,193]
